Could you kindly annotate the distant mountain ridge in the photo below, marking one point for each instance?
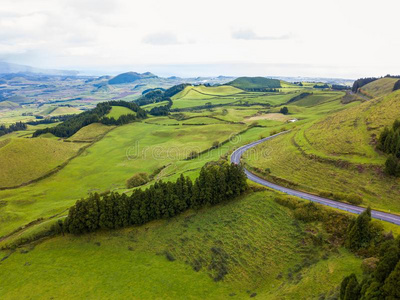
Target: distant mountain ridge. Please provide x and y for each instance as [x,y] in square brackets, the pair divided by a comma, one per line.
[8,68]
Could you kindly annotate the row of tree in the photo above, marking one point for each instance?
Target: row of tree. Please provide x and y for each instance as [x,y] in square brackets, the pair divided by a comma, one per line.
[263,90]
[215,184]
[381,266]
[95,115]
[13,127]
[389,142]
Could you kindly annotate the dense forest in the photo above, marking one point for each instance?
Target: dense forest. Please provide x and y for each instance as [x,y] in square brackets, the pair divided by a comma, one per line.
[381,264]
[13,127]
[216,183]
[72,125]
[389,142]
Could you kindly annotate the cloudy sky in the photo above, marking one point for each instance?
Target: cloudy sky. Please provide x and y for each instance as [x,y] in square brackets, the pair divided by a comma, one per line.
[340,38]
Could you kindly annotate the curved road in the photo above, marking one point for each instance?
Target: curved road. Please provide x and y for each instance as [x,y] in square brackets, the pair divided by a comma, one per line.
[237,154]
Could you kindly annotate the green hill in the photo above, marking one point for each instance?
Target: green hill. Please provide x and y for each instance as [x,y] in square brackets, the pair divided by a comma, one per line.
[255,83]
[130,77]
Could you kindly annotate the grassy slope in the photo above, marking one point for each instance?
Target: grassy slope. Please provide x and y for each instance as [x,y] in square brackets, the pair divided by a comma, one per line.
[349,134]
[379,87]
[22,160]
[91,132]
[311,156]
[65,111]
[257,237]
[117,111]
[309,174]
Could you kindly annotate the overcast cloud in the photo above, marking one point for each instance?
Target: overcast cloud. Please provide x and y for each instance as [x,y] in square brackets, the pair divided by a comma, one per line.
[327,38]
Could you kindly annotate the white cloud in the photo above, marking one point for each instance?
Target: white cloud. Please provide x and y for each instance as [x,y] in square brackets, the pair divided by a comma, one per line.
[355,38]
[248,34]
[161,38]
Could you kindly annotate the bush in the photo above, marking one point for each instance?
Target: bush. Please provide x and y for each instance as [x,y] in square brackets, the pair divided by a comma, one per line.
[354,199]
[309,213]
[137,180]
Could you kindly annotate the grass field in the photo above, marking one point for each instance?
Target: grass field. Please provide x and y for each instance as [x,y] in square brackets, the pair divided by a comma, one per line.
[61,110]
[126,150]
[253,238]
[257,243]
[117,111]
[91,132]
[22,160]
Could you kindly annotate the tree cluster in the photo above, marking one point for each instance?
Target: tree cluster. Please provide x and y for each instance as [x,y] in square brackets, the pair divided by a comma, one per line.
[382,276]
[389,142]
[396,86]
[97,114]
[284,110]
[382,281]
[162,110]
[339,87]
[321,86]
[215,184]
[13,127]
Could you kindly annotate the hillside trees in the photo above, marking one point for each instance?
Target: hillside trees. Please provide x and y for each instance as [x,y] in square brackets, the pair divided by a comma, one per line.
[396,86]
[389,142]
[215,184]
[382,279]
[13,127]
[97,114]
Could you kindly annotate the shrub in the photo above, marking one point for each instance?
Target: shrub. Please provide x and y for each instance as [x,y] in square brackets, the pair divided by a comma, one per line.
[137,180]
[368,265]
[354,199]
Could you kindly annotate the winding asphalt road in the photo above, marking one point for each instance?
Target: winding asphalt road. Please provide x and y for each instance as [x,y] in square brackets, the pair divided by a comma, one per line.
[237,154]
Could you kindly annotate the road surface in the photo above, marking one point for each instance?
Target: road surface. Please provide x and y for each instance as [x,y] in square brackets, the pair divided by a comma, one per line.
[237,154]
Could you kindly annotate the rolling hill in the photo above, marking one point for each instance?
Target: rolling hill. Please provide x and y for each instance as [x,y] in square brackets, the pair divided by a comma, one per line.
[130,77]
[255,83]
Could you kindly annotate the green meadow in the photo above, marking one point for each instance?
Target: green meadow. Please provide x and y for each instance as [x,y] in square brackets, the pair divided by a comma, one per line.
[253,239]
[259,246]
